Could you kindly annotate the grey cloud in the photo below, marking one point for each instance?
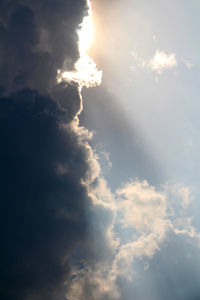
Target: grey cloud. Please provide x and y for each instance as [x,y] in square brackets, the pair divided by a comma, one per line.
[44,203]
[48,223]
[43,212]
[37,38]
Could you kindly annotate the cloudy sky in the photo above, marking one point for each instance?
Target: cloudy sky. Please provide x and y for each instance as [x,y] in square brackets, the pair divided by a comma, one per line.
[99,130]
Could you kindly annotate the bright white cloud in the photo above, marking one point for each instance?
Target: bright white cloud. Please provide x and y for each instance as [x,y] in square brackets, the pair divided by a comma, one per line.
[85,74]
[159,62]
[143,207]
[162,60]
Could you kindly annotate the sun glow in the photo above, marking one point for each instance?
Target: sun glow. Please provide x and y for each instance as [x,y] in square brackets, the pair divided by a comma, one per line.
[86,73]
[85,70]
[86,31]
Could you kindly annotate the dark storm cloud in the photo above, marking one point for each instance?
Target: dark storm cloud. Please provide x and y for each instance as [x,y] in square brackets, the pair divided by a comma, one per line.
[36,39]
[43,163]
[42,199]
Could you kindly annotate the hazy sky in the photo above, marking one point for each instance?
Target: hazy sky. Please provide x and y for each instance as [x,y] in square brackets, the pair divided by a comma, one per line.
[99,151]
[146,117]
[161,106]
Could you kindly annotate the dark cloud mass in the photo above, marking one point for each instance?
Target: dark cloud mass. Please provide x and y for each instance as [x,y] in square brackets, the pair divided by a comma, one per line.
[42,199]
[43,162]
[36,39]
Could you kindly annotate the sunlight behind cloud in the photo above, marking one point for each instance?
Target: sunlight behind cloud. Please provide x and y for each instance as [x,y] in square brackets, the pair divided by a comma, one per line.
[85,73]
[86,31]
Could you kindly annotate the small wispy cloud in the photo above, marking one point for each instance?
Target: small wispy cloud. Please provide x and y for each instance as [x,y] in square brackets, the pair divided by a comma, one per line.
[154,37]
[140,61]
[162,60]
[187,63]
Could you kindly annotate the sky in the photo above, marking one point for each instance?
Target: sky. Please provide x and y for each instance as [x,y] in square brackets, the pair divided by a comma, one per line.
[99,130]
